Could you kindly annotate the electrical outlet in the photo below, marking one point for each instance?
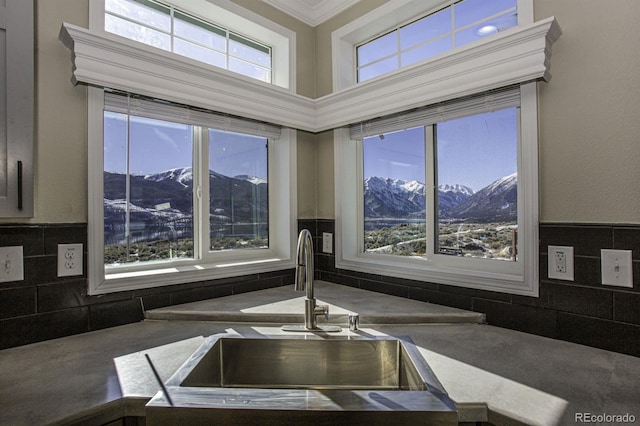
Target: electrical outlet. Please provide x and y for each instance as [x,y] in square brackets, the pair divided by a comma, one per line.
[327,242]
[69,260]
[11,266]
[617,267]
[560,262]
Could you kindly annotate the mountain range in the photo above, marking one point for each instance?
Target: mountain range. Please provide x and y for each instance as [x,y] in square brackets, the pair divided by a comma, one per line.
[168,196]
[394,198]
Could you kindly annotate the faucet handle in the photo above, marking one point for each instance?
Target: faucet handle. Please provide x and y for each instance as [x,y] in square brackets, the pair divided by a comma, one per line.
[322,310]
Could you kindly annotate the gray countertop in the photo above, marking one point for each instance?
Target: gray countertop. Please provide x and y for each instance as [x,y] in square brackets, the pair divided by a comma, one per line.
[494,374]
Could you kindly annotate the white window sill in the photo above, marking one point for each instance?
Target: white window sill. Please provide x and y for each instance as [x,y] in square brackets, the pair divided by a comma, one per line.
[135,280]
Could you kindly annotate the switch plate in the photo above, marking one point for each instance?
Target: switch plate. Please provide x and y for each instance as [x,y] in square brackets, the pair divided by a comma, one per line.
[327,242]
[617,267]
[560,263]
[69,260]
[11,265]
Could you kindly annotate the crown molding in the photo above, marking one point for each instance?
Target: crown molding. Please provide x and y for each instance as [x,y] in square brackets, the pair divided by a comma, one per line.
[315,14]
[518,55]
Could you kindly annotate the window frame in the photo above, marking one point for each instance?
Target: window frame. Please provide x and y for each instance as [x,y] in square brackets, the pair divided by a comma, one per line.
[236,19]
[519,277]
[397,31]
[210,264]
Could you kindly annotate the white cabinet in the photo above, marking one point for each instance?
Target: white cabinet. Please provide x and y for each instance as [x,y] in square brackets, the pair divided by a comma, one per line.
[16,107]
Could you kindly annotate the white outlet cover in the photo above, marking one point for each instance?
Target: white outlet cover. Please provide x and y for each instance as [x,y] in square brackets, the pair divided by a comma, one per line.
[617,267]
[11,265]
[69,260]
[567,275]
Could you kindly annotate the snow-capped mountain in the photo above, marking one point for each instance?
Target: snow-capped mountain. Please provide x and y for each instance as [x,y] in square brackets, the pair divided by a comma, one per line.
[496,202]
[394,198]
[385,197]
[450,196]
[169,195]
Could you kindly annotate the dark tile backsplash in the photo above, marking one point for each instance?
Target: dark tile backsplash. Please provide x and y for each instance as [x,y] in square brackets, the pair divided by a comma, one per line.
[44,306]
[581,311]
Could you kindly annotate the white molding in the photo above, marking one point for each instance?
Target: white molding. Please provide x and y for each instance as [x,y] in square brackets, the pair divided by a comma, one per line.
[518,55]
[312,15]
[110,61]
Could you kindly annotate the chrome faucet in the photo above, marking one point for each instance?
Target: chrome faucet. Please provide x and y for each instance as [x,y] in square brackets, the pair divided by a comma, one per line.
[304,281]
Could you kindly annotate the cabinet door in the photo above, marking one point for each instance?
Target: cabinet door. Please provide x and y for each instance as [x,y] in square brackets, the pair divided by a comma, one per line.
[16,107]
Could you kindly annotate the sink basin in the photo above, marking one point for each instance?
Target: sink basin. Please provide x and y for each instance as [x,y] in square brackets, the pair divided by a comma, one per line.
[305,364]
[241,379]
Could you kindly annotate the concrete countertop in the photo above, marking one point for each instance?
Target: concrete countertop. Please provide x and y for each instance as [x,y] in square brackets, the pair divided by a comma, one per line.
[493,374]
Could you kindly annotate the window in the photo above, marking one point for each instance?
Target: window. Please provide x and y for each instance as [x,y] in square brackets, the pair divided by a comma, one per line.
[444,192]
[444,165]
[453,26]
[471,160]
[185,194]
[165,27]
[178,193]
[151,205]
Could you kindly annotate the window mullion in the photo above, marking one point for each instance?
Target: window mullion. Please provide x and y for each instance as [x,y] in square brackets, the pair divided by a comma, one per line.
[431,171]
[201,192]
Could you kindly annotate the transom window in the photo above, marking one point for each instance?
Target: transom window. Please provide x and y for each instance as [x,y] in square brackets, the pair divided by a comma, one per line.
[448,28]
[165,27]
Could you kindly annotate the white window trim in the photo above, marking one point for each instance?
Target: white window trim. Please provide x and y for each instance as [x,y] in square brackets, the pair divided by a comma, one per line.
[519,277]
[237,19]
[282,223]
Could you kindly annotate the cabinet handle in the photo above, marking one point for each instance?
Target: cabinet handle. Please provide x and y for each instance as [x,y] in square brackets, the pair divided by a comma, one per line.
[19,185]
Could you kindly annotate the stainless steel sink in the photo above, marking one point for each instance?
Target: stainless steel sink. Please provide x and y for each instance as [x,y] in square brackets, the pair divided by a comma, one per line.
[240,379]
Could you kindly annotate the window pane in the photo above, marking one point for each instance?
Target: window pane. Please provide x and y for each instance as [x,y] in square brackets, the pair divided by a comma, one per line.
[486,28]
[427,28]
[378,68]
[250,70]
[153,219]
[477,185]
[238,191]
[249,51]
[137,32]
[394,193]
[377,49]
[148,13]
[198,32]
[199,53]
[469,11]
[425,51]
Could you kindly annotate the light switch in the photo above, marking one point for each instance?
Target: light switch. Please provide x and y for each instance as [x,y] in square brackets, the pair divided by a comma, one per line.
[617,267]
[11,266]
[327,242]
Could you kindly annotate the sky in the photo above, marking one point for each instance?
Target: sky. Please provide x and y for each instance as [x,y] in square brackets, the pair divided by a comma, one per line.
[472,151]
[157,146]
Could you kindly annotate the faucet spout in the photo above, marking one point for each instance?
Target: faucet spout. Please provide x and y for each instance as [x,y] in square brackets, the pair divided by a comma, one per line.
[304,282]
[304,263]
